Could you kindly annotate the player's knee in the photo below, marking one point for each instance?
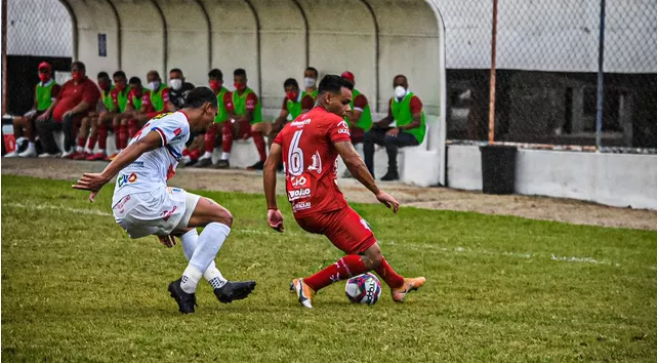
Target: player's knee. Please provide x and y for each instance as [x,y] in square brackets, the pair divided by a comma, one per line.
[222,215]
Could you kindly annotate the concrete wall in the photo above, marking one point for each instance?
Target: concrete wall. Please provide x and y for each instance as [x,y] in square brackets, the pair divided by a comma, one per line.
[620,180]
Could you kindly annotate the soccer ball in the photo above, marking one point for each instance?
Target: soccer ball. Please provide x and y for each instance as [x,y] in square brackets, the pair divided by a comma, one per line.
[364,289]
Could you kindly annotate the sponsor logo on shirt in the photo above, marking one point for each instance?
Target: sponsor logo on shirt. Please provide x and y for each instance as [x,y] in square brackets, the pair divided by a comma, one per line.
[342,124]
[300,123]
[316,163]
[344,131]
[137,164]
[177,131]
[124,179]
[301,206]
[298,181]
[298,194]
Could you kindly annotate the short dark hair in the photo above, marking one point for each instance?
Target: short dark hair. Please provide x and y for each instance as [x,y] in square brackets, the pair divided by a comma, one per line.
[119,74]
[314,70]
[134,80]
[291,82]
[240,72]
[333,83]
[215,73]
[79,64]
[199,96]
[102,75]
[177,70]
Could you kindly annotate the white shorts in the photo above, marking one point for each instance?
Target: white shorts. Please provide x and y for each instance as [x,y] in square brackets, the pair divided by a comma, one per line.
[144,214]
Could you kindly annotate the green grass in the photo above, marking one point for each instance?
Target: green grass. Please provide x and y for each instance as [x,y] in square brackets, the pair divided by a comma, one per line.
[500,289]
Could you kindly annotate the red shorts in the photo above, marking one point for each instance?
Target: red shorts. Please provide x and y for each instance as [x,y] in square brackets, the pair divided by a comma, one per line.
[343,227]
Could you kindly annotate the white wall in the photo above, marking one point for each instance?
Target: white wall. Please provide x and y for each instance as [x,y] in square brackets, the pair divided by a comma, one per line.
[94,18]
[187,39]
[619,180]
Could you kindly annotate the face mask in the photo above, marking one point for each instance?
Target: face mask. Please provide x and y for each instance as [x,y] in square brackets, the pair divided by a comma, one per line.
[77,76]
[154,85]
[240,86]
[44,77]
[400,91]
[292,96]
[105,86]
[309,82]
[215,85]
[176,84]
[120,86]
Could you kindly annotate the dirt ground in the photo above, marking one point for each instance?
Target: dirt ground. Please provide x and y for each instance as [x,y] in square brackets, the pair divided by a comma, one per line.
[562,210]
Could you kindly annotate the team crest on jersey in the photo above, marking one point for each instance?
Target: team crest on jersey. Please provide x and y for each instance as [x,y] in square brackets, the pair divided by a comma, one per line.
[177,131]
[342,124]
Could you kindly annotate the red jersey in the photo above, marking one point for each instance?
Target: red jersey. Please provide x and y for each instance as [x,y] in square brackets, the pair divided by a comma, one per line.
[310,159]
[72,94]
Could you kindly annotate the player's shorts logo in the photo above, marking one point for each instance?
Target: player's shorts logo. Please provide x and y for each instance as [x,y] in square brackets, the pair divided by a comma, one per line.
[365,224]
[124,179]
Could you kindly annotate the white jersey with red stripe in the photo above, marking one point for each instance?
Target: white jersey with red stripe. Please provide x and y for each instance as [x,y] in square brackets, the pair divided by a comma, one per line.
[150,172]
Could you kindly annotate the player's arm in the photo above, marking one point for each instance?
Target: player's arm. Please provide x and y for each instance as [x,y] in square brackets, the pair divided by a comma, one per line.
[386,121]
[275,218]
[357,167]
[93,182]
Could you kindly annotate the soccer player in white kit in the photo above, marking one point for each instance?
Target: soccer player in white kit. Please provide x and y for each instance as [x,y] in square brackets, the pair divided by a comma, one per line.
[144,205]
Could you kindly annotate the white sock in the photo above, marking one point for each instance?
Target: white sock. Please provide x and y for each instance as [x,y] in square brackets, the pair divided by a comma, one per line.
[210,242]
[225,156]
[207,155]
[189,241]
[88,151]
[79,149]
[102,151]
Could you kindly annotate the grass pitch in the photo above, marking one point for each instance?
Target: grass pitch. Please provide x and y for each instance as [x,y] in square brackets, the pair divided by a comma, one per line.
[500,289]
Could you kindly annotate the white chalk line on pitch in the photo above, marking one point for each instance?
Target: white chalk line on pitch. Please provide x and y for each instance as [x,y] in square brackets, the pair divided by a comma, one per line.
[553,257]
[31,206]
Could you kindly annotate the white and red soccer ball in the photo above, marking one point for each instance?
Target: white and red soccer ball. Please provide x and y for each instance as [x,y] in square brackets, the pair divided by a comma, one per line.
[364,289]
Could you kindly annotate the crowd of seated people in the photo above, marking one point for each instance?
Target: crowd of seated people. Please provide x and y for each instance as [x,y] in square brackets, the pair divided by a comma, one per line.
[87,112]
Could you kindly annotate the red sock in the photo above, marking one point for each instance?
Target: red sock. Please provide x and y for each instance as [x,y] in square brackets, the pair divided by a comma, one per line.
[91,143]
[117,136]
[209,139]
[123,136]
[345,268]
[81,141]
[133,128]
[388,274]
[227,137]
[259,140]
[102,134]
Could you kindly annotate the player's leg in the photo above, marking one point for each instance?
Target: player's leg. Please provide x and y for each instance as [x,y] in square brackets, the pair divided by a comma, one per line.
[123,133]
[392,143]
[209,145]
[227,143]
[225,291]
[100,130]
[83,133]
[259,141]
[134,126]
[371,138]
[30,132]
[116,130]
[217,222]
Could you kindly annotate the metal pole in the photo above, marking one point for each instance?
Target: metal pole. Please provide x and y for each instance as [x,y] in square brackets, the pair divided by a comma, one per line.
[493,75]
[4,57]
[600,78]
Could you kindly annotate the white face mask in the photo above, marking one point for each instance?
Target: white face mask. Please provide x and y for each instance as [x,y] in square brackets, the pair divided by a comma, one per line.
[309,82]
[154,85]
[176,84]
[400,92]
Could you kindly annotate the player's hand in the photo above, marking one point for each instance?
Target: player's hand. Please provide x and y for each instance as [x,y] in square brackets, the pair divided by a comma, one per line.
[393,132]
[276,220]
[92,182]
[388,200]
[167,241]
[44,116]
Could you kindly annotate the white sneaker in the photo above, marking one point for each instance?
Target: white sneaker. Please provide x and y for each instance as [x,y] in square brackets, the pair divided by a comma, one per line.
[47,155]
[67,153]
[12,154]
[30,152]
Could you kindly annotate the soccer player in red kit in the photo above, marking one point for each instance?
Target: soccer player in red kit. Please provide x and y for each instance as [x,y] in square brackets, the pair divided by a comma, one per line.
[309,147]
